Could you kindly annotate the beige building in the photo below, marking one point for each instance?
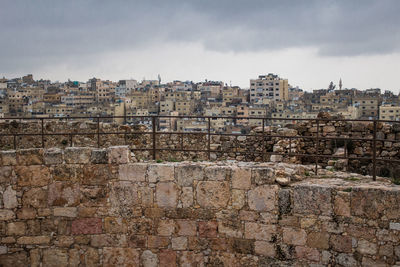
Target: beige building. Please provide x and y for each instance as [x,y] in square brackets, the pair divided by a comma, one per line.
[369,106]
[268,87]
[389,112]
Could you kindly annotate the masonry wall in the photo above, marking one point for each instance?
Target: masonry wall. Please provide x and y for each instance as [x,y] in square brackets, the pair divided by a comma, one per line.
[89,207]
[241,148]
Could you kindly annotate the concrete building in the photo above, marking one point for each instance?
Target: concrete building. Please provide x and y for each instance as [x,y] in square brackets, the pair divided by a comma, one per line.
[268,87]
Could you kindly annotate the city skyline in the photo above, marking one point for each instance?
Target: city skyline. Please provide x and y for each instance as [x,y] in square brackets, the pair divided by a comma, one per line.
[309,42]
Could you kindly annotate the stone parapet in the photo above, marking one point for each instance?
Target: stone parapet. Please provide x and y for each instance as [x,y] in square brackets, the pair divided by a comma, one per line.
[87,206]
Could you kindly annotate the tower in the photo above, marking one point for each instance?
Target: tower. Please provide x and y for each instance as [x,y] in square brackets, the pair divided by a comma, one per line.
[340,84]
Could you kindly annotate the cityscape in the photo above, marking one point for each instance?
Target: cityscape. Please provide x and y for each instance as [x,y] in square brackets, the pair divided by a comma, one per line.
[268,96]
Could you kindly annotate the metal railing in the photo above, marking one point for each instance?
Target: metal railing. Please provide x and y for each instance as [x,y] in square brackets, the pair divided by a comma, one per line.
[208,132]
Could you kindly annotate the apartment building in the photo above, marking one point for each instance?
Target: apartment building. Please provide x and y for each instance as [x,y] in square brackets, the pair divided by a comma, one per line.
[268,87]
[369,106]
[389,112]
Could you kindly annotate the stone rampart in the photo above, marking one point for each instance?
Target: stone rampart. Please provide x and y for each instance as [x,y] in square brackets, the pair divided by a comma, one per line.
[90,207]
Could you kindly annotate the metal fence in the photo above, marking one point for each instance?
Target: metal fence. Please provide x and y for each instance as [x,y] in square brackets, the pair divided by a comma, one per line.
[208,132]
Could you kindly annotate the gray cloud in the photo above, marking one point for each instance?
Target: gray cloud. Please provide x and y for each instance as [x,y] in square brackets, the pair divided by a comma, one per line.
[44,32]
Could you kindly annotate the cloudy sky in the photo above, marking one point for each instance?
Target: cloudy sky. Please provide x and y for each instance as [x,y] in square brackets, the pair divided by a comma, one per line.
[310,42]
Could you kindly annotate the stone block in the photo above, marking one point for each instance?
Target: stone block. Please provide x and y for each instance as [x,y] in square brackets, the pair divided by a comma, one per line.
[26,213]
[160,173]
[137,241]
[119,154]
[7,175]
[213,194]
[342,204]
[19,258]
[135,172]
[123,197]
[55,257]
[146,196]
[312,199]
[346,260]
[366,247]
[157,242]
[243,246]
[241,178]
[311,254]
[53,156]
[67,172]
[187,197]
[16,228]
[191,258]
[32,156]
[318,240]
[34,240]
[70,212]
[99,156]
[35,197]
[186,227]
[179,243]
[292,236]
[86,226]
[8,157]
[108,240]
[208,229]
[186,174]
[341,243]
[217,173]
[120,257]
[98,174]
[166,227]
[35,175]
[167,258]
[238,198]
[10,198]
[264,248]
[167,195]
[149,259]
[262,176]
[394,226]
[263,198]
[79,155]
[259,231]
[115,225]
[64,194]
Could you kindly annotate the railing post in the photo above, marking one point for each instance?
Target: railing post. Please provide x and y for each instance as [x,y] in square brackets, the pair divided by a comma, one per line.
[15,142]
[154,136]
[317,149]
[98,131]
[42,132]
[374,153]
[70,139]
[263,140]
[209,139]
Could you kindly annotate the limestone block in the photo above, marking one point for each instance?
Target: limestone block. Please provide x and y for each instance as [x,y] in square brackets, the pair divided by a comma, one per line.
[8,157]
[16,228]
[366,247]
[123,197]
[312,199]
[264,248]
[32,156]
[7,175]
[135,172]
[55,257]
[217,173]
[208,229]
[179,243]
[241,178]
[166,227]
[187,197]
[77,155]
[53,156]
[186,174]
[311,254]
[64,194]
[293,236]
[149,259]
[118,154]
[342,204]
[10,198]
[70,212]
[33,240]
[318,240]
[120,257]
[98,174]
[341,243]
[262,176]
[167,258]
[35,197]
[35,175]
[86,226]
[160,173]
[263,198]
[212,194]
[99,156]
[259,231]
[186,227]
[167,195]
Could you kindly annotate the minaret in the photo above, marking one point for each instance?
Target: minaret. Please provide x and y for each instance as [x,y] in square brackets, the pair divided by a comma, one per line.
[340,84]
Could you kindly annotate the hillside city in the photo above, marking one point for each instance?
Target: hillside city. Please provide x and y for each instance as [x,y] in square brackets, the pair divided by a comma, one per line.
[267,96]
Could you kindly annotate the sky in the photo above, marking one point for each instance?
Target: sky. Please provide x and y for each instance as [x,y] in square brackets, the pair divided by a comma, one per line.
[309,42]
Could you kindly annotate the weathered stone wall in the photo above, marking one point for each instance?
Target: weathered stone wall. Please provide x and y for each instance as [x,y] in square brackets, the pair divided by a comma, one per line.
[241,148]
[90,207]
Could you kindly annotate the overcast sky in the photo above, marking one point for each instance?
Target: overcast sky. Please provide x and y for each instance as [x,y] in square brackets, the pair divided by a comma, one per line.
[310,42]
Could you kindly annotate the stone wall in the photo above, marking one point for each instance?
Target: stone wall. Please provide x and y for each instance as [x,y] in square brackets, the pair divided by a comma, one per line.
[90,207]
[241,148]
